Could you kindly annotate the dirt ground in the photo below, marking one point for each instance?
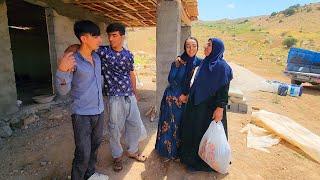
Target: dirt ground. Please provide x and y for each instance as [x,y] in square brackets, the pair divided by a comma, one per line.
[45,149]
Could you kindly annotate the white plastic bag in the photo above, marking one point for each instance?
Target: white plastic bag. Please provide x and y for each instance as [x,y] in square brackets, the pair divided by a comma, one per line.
[214,148]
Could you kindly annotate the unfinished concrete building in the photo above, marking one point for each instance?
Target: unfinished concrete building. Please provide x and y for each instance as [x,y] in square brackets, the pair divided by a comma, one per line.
[33,33]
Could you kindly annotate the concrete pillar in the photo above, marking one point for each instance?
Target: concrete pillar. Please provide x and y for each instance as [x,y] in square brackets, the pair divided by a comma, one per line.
[8,92]
[52,45]
[185,33]
[168,42]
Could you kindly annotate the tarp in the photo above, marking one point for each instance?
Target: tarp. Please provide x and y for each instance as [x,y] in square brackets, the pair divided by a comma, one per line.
[290,131]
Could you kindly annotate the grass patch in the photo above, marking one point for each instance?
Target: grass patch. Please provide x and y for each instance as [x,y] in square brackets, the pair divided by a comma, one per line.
[142,59]
[152,40]
[227,27]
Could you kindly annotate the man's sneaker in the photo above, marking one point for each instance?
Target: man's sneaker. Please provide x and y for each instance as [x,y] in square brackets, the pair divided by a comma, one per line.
[98,176]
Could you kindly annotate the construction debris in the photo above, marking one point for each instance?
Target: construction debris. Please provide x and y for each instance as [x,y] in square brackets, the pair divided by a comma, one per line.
[259,138]
[237,102]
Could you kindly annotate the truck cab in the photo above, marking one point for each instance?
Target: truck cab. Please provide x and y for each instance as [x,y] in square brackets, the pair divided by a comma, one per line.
[303,66]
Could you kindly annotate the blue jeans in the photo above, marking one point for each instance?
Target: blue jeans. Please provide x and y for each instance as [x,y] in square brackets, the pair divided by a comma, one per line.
[88,135]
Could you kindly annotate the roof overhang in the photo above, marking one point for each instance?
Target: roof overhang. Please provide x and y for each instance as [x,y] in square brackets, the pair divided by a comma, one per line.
[135,13]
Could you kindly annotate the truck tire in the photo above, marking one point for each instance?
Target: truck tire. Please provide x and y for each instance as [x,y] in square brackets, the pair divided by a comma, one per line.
[293,81]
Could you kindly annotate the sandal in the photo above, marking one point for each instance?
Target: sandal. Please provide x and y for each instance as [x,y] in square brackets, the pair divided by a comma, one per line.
[176,159]
[117,165]
[166,160]
[139,157]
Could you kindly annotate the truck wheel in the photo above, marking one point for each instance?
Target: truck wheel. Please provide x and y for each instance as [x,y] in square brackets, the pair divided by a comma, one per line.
[296,82]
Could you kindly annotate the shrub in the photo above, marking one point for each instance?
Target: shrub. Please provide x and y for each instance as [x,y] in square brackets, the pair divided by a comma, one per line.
[289,12]
[289,42]
[309,9]
[295,6]
[274,14]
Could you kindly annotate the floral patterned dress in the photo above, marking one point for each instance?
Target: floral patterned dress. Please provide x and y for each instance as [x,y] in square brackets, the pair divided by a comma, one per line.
[171,111]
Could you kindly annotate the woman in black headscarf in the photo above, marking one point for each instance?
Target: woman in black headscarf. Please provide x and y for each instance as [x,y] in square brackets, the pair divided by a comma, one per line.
[208,98]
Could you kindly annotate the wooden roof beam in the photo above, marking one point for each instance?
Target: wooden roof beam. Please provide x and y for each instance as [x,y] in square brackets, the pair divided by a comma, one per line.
[128,6]
[82,1]
[137,1]
[185,18]
[113,7]
[99,6]
[91,8]
[130,16]
[143,18]
[153,2]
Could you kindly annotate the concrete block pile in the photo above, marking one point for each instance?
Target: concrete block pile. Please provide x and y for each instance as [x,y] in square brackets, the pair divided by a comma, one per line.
[237,102]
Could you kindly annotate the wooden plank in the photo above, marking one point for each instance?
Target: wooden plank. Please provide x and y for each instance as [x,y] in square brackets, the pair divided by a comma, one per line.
[100,6]
[153,2]
[86,1]
[137,14]
[130,16]
[124,3]
[185,18]
[113,7]
[91,8]
[111,17]
[137,1]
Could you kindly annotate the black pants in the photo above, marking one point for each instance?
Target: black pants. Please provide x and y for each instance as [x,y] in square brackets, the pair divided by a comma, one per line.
[88,132]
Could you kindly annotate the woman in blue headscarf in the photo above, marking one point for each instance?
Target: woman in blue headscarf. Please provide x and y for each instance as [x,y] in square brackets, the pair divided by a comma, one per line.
[207,102]
[174,99]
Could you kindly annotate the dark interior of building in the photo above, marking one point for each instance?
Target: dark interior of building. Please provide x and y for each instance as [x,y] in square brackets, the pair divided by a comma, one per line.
[30,49]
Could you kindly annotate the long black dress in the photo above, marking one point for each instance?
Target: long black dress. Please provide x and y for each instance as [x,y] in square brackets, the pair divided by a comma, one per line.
[196,121]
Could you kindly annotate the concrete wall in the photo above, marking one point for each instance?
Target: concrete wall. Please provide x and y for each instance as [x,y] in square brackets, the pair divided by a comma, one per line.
[185,33]
[64,35]
[8,93]
[168,42]
[60,35]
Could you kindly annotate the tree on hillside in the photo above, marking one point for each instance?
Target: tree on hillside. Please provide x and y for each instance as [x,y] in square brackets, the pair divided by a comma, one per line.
[291,10]
[273,14]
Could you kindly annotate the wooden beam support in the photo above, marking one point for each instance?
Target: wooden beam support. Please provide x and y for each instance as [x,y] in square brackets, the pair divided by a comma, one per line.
[111,17]
[136,12]
[143,18]
[185,18]
[113,7]
[91,8]
[128,6]
[100,6]
[130,16]
[137,1]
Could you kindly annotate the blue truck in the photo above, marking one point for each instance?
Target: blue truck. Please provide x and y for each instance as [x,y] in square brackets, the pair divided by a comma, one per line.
[303,66]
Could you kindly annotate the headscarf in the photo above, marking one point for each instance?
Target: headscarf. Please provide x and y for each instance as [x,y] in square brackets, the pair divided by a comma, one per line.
[190,64]
[213,73]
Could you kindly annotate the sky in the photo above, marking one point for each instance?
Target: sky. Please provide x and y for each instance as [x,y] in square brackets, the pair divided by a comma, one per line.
[232,9]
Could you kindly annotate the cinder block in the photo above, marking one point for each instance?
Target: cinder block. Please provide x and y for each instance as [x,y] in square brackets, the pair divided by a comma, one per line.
[243,108]
[237,108]
[232,107]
